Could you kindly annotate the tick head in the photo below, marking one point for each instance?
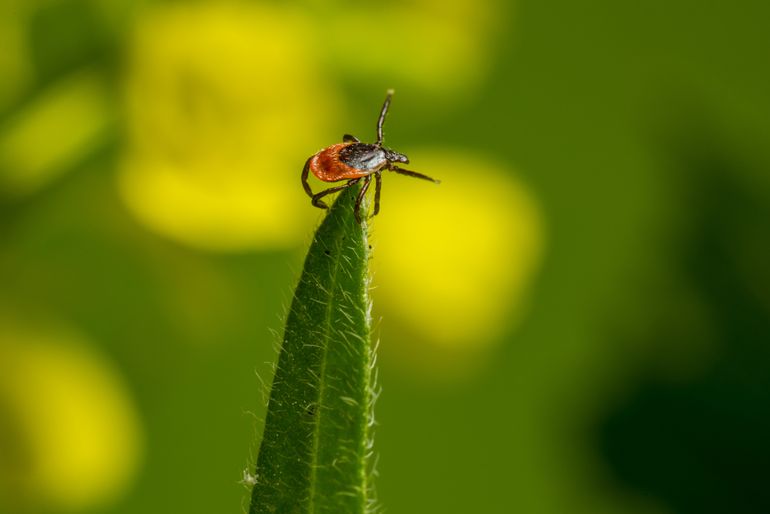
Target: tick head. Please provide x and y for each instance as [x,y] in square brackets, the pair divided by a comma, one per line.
[394,156]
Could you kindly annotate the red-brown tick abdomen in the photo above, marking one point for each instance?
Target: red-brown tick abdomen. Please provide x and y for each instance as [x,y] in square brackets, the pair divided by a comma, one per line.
[326,165]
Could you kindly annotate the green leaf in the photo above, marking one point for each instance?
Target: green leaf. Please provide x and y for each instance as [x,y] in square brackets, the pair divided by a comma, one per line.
[315,451]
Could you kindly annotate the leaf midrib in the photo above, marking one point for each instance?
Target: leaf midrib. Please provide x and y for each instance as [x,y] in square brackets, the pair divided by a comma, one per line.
[322,382]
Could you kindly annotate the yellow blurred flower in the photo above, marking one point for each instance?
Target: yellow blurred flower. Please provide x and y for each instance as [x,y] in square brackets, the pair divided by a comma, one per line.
[75,430]
[224,101]
[453,262]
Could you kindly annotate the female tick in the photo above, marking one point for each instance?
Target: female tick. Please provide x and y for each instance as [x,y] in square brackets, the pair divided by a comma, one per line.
[355,161]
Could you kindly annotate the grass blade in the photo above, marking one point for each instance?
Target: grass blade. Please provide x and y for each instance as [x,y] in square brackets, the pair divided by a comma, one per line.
[314,453]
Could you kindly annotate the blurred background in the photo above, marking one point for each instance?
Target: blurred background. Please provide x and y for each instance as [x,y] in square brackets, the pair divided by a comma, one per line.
[576,321]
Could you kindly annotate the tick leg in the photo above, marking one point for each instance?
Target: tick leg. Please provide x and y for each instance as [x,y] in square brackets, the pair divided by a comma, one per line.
[347,138]
[377,191]
[381,119]
[414,174]
[317,197]
[360,198]
[305,172]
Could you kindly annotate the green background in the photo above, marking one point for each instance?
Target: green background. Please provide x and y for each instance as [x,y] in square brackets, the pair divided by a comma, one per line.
[637,381]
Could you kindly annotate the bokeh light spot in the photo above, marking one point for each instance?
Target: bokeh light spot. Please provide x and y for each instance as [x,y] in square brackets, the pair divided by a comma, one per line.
[79,435]
[453,261]
[224,101]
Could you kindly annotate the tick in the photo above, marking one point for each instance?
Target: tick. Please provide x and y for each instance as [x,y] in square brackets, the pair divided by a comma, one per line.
[356,162]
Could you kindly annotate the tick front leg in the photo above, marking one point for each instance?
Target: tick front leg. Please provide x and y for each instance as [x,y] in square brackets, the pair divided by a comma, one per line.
[305,172]
[360,198]
[317,197]
[377,191]
[414,174]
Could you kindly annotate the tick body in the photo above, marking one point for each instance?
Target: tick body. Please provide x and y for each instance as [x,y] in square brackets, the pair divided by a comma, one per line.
[354,162]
